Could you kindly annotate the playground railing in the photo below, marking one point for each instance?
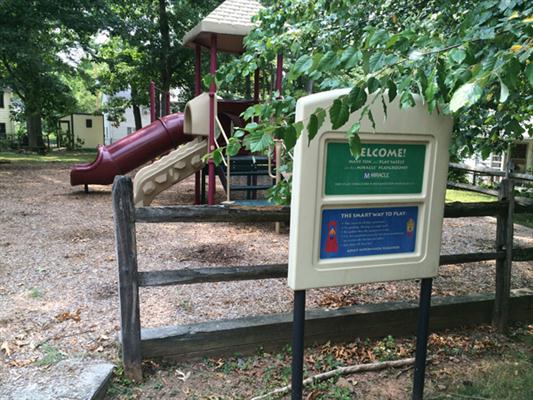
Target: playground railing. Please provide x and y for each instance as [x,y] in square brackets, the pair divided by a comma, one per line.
[321,322]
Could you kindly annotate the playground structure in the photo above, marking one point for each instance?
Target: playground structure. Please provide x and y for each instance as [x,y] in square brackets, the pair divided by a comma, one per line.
[206,124]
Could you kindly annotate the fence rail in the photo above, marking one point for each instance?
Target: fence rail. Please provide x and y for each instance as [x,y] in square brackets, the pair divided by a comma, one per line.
[491,172]
[130,279]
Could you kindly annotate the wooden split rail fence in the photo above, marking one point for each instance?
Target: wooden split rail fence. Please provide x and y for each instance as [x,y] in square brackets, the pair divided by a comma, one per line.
[273,331]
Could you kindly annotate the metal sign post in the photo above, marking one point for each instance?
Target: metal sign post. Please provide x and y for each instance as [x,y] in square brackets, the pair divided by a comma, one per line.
[422,339]
[298,344]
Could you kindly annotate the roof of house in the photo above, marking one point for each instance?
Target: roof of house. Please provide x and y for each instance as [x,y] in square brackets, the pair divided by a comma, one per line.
[231,21]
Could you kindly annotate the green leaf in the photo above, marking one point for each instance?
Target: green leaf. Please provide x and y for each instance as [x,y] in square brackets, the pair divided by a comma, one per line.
[357,98]
[504,92]
[328,61]
[457,55]
[373,85]
[371,118]
[290,136]
[466,96]
[380,36]
[234,146]
[315,122]
[347,54]
[261,143]
[312,127]
[357,56]
[339,113]
[301,66]
[298,126]
[354,141]
[321,116]
[407,100]
[217,156]
[251,126]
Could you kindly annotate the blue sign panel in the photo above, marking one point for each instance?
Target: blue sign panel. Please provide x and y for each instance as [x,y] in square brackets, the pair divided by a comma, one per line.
[355,232]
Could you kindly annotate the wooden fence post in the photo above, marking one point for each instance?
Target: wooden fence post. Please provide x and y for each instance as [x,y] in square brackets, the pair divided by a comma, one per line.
[504,241]
[126,250]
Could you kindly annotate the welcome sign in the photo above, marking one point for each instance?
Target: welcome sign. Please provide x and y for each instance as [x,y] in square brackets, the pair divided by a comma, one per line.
[377,217]
[381,169]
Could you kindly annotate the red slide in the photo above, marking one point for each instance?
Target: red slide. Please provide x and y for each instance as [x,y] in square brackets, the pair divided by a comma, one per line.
[131,151]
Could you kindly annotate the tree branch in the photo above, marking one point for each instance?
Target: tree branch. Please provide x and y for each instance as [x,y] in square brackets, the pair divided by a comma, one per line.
[352,369]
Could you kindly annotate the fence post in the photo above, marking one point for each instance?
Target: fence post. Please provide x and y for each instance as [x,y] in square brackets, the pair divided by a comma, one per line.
[504,241]
[126,250]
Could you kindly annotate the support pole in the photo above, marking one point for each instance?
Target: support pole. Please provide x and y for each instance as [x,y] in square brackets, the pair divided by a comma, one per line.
[298,344]
[504,241]
[126,250]
[279,74]
[197,92]
[211,182]
[422,338]
[152,101]
[279,88]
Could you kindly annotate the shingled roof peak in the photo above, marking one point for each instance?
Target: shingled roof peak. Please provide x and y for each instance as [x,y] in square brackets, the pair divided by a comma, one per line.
[231,21]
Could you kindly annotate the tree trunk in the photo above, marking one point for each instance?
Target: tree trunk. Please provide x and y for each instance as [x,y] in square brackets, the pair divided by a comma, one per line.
[136,109]
[35,131]
[164,30]
[137,116]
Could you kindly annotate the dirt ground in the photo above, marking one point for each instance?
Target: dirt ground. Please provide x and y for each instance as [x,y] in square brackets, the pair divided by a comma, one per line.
[58,281]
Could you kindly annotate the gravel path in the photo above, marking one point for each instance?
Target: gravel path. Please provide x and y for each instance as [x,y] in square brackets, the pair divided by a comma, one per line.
[58,284]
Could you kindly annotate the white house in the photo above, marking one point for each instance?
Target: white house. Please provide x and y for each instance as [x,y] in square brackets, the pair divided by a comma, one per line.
[521,155]
[7,127]
[113,133]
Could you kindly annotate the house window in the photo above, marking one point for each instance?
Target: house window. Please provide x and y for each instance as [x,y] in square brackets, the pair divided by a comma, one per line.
[2,130]
[2,99]
[88,123]
[129,130]
[496,161]
[519,157]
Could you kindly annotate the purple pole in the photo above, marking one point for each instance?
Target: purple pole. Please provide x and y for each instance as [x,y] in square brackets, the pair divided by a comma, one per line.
[197,92]
[279,73]
[211,186]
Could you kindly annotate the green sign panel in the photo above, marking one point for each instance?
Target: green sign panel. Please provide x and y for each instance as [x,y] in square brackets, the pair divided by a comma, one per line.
[381,169]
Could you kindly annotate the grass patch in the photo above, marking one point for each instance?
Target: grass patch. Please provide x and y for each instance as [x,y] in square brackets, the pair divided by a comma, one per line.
[467,197]
[69,157]
[471,197]
[51,356]
[504,380]
[508,377]
[35,293]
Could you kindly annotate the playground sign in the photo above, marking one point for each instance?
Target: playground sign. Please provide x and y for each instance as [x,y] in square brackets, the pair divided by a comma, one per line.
[375,218]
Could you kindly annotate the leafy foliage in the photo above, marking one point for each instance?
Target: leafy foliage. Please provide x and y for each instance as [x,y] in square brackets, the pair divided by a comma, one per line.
[39,41]
[470,59]
[145,44]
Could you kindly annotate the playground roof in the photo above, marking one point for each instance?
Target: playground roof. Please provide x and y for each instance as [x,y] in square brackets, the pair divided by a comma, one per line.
[231,21]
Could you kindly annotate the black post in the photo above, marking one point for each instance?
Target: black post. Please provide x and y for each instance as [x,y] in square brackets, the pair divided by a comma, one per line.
[422,339]
[298,344]
[86,188]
